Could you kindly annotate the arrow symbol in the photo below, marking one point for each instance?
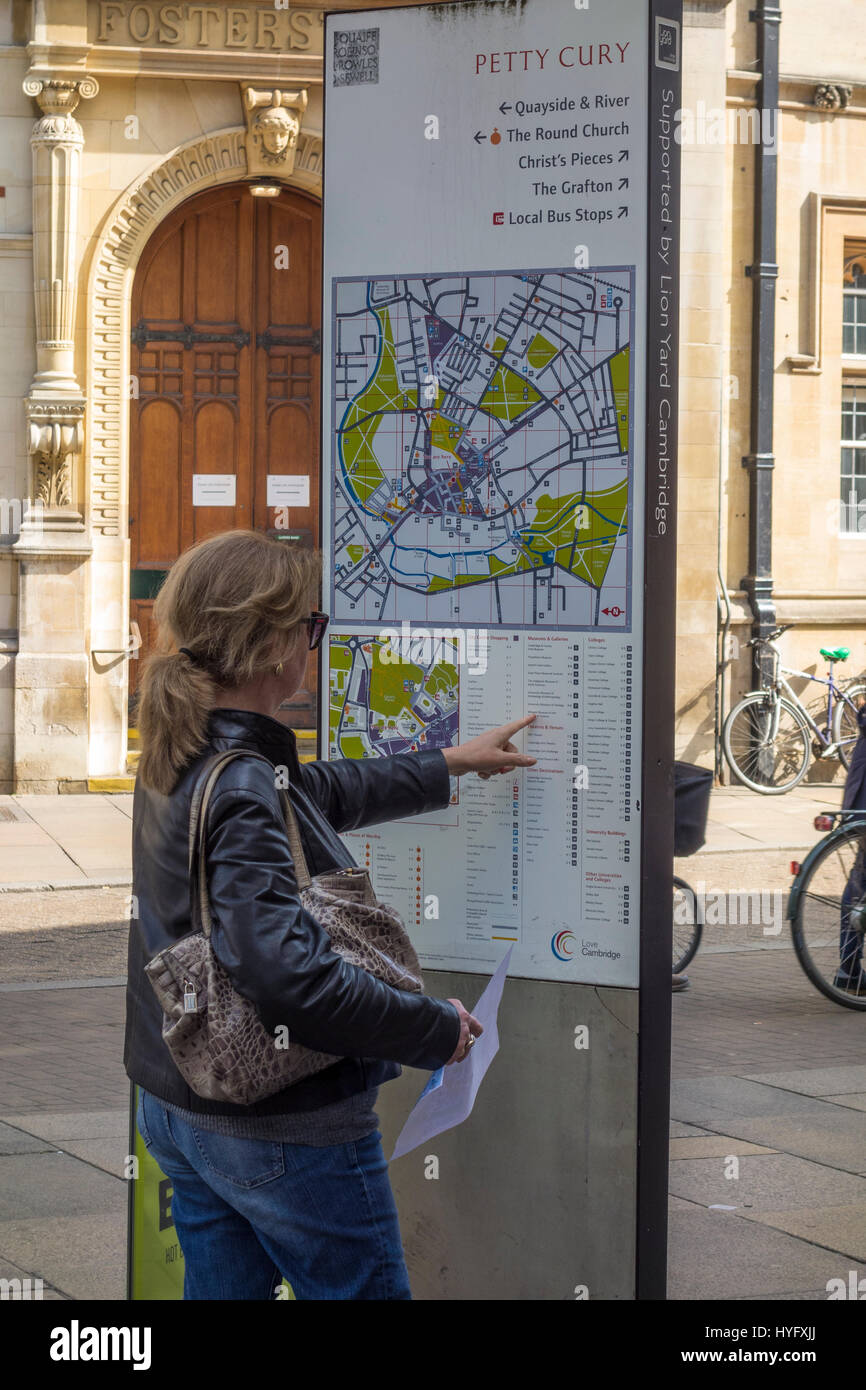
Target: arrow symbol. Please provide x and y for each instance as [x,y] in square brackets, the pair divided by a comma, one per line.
[623,154]
[478,137]
[623,183]
[504,107]
[623,212]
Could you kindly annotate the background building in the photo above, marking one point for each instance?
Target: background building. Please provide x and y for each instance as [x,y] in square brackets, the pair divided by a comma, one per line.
[161,292]
[800,503]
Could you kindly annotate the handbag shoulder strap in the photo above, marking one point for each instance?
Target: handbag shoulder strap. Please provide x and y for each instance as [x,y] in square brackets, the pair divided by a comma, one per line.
[198,829]
[201,796]
[302,873]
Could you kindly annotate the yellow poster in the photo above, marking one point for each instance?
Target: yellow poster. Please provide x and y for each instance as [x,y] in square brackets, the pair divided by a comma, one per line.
[155,1259]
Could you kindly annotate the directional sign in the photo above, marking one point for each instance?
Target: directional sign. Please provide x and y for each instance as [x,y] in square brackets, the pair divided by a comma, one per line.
[498,512]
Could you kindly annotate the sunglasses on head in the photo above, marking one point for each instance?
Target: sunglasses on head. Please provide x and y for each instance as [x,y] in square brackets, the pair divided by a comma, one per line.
[317,624]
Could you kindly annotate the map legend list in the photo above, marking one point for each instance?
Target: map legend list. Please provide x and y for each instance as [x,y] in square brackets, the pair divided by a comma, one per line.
[556,833]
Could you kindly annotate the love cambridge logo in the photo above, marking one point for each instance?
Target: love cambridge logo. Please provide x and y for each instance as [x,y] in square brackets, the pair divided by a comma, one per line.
[561,945]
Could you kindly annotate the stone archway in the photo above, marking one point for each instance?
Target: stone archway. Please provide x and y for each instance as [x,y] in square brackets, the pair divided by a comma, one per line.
[199,164]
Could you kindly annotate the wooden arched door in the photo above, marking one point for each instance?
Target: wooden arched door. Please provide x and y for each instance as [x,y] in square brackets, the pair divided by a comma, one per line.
[225,362]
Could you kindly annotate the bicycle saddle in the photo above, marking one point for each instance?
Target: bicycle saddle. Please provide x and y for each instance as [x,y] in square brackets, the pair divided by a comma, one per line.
[835,653]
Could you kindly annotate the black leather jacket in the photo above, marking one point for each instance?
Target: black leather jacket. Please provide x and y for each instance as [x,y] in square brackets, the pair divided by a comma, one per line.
[854,795]
[275,952]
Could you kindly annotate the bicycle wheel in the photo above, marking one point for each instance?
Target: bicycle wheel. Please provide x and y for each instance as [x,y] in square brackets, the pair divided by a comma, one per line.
[827,925]
[688,925]
[766,759]
[846,730]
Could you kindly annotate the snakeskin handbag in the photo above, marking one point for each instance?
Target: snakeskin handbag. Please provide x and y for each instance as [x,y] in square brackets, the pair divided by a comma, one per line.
[215,1036]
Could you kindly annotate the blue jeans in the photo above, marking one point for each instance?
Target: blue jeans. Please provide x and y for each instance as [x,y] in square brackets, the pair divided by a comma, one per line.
[248,1211]
[850,939]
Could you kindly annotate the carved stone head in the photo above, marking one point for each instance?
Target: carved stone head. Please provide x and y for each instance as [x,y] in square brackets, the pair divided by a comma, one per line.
[274,123]
[279,130]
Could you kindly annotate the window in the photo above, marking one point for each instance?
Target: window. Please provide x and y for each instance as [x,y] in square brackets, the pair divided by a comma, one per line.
[854,320]
[853,450]
[853,458]
[854,300]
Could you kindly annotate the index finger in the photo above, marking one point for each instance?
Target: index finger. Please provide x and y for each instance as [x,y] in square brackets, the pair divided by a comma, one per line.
[515,725]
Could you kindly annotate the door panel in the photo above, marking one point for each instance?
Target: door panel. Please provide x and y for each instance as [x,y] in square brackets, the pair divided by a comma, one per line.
[159,280]
[219,243]
[291,294]
[156,509]
[288,313]
[226,316]
[289,445]
[216,450]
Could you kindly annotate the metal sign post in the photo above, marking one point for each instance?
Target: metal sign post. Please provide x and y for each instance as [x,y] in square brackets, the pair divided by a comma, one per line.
[499,430]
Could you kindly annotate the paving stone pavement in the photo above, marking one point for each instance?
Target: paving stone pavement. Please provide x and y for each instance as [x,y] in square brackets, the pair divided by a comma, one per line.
[63,1139]
[768,1073]
[93,941]
[768,1154]
[65,840]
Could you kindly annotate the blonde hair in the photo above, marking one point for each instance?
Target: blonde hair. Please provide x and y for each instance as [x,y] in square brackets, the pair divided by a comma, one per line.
[232,600]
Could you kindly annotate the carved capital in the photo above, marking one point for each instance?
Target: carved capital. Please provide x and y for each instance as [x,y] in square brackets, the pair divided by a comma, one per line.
[53,483]
[832,96]
[57,99]
[55,434]
[273,126]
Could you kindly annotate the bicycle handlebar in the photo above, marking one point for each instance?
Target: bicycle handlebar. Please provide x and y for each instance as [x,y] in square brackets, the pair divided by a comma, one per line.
[766,641]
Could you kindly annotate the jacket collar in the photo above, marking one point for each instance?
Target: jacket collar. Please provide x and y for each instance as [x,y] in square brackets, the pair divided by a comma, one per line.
[245,728]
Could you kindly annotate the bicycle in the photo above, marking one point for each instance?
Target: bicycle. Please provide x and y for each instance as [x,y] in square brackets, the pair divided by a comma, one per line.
[688,925]
[827,908]
[766,737]
[692,787]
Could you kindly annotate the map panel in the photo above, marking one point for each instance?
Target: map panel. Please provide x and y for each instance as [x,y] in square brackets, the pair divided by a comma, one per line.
[390,698]
[483,456]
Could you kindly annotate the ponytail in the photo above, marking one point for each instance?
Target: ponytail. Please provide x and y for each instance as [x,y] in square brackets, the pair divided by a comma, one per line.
[176,699]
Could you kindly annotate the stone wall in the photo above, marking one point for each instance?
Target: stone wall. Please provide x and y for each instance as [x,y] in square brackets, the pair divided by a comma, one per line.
[71,633]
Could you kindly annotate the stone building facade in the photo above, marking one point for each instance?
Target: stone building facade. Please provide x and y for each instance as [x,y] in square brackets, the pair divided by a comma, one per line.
[818,528]
[149,148]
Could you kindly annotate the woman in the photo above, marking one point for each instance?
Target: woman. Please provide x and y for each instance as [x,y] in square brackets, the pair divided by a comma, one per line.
[850,976]
[295,1185]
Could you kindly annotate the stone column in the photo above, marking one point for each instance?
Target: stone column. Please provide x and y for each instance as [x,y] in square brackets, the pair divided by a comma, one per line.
[51,669]
[55,404]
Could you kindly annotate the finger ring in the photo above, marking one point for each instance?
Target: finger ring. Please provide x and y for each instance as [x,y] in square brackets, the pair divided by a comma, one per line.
[470,1042]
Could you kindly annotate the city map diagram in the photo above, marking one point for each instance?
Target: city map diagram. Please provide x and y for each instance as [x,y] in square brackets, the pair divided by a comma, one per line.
[403,703]
[482,449]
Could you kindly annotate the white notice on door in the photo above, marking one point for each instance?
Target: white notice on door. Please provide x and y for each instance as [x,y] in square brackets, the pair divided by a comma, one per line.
[288,490]
[213,489]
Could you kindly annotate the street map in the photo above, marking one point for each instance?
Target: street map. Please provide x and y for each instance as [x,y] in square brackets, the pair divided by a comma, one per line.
[403,703]
[482,452]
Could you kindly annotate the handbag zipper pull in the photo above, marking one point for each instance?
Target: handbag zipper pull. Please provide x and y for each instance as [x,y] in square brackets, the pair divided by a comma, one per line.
[190,1000]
